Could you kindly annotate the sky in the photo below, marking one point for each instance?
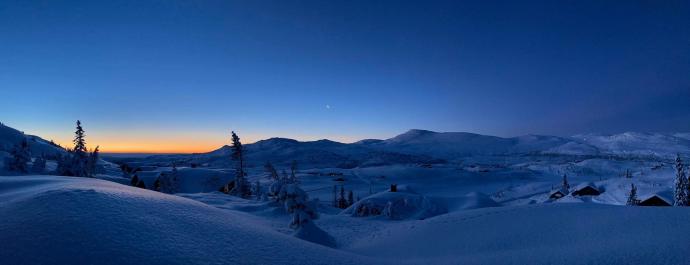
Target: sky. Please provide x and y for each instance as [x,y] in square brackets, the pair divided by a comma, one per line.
[178,76]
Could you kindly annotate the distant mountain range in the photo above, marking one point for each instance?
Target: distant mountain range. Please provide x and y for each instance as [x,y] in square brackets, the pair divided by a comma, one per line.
[422,146]
[413,146]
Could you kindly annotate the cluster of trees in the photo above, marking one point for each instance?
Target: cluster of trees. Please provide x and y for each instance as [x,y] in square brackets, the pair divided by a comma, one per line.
[681,185]
[339,199]
[20,158]
[78,162]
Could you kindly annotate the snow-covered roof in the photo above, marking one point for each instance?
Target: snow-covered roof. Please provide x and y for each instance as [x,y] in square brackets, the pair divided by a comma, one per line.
[586,184]
[561,190]
[666,195]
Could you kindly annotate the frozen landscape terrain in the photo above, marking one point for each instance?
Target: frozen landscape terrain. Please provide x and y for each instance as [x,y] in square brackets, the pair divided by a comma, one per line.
[421,197]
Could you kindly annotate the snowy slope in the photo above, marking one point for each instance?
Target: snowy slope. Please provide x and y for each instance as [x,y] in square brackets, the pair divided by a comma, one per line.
[10,137]
[636,143]
[544,234]
[63,220]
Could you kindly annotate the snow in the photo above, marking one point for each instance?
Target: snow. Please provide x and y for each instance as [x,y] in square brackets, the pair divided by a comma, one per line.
[546,234]
[462,198]
[66,220]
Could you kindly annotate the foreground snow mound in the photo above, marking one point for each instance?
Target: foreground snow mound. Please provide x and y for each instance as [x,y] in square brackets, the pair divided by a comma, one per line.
[62,220]
[568,233]
[401,205]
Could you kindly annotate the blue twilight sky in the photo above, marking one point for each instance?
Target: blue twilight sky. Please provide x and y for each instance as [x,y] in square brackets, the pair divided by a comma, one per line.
[168,75]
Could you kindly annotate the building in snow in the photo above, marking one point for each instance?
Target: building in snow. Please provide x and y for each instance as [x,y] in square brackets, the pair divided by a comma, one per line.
[655,200]
[586,189]
[557,194]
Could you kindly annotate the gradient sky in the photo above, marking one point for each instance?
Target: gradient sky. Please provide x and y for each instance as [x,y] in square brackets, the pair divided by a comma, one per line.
[177,76]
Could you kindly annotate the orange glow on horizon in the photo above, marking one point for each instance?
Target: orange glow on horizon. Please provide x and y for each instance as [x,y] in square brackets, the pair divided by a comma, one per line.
[186,143]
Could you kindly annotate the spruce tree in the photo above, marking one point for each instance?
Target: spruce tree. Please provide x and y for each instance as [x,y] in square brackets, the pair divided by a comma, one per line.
[21,156]
[79,154]
[93,161]
[293,172]
[271,171]
[566,186]
[632,196]
[335,196]
[241,187]
[350,198]
[681,184]
[39,165]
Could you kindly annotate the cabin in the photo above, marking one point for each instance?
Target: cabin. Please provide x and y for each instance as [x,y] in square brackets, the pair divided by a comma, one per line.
[557,194]
[655,200]
[394,188]
[586,189]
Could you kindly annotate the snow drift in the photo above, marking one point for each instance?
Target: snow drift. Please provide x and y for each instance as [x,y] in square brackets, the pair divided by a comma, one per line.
[64,220]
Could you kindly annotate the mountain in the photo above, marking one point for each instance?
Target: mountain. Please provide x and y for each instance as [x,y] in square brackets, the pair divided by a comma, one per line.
[423,146]
[636,143]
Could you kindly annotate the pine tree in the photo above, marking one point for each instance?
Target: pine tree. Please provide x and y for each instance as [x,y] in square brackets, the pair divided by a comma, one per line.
[64,164]
[565,186]
[342,202]
[350,198]
[681,184]
[335,196]
[297,203]
[93,161]
[632,196]
[80,158]
[21,156]
[241,186]
[271,171]
[39,165]
[293,171]
[257,190]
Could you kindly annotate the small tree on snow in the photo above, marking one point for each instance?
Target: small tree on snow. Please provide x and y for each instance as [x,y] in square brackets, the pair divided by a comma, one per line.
[565,185]
[293,171]
[297,203]
[39,165]
[21,156]
[271,171]
[632,196]
[93,161]
[680,184]
[241,188]
[350,198]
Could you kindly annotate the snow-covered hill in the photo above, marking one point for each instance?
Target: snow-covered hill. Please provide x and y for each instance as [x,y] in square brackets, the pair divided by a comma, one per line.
[10,137]
[544,234]
[64,220]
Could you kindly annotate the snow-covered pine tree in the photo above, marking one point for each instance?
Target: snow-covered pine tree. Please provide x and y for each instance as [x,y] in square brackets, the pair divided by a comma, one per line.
[271,171]
[80,158]
[21,156]
[64,164]
[350,198]
[342,202]
[681,186]
[297,203]
[241,188]
[632,196]
[335,196]
[293,171]
[39,165]
[93,161]
[257,190]
[565,185]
